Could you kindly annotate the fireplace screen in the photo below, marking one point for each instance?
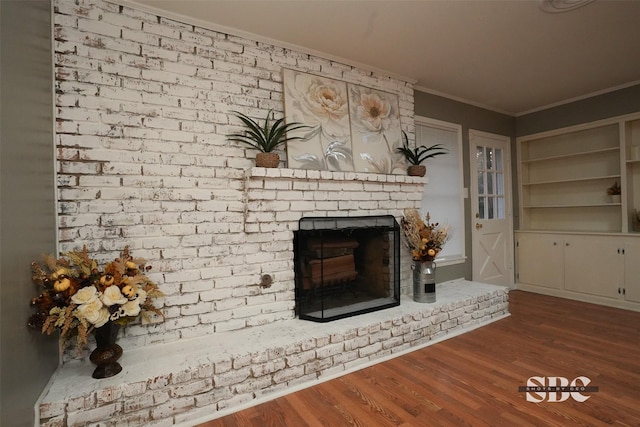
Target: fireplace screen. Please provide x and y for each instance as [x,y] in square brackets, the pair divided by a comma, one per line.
[346,266]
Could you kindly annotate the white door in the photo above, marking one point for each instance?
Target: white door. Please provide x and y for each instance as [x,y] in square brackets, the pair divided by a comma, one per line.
[491,208]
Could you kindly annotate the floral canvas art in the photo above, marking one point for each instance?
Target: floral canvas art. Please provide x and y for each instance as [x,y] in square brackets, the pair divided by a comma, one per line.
[321,103]
[375,131]
[353,128]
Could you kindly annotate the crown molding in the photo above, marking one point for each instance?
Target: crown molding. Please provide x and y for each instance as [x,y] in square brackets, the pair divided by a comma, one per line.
[463,100]
[579,98]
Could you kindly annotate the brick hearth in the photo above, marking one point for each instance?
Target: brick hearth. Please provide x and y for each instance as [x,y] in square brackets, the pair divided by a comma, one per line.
[194,380]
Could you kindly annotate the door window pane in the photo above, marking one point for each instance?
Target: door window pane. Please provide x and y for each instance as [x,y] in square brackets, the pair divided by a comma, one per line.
[499,166]
[490,207]
[480,158]
[490,183]
[490,177]
[500,208]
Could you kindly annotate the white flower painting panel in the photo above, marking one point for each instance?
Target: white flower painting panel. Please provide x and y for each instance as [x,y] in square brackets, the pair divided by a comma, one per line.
[321,103]
[353,128]
[375,131]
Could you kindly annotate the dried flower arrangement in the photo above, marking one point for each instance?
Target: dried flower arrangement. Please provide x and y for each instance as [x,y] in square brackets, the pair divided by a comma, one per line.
[423,239]
[78,297]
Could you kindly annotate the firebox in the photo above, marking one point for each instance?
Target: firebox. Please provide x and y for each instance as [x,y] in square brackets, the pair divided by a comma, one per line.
[345,266]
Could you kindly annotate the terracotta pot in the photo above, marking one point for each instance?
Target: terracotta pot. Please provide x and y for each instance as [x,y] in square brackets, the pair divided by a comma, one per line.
[417,170]
[267,160]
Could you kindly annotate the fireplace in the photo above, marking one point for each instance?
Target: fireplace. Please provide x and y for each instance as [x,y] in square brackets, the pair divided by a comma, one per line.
[346,266]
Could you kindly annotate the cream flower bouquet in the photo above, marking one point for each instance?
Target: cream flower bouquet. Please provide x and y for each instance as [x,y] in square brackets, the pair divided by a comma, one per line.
[78,297]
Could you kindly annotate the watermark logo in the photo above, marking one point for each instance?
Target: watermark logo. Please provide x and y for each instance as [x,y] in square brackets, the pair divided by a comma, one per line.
[557,389]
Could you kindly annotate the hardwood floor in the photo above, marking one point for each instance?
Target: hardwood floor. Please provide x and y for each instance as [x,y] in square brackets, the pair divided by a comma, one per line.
[473,379]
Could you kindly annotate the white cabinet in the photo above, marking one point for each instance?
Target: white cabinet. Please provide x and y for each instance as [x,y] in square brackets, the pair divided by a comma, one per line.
[598,268]
[631,289]
[593,265]
[540,259]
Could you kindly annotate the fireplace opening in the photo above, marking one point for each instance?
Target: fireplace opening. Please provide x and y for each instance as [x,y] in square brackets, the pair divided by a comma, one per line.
[346,266]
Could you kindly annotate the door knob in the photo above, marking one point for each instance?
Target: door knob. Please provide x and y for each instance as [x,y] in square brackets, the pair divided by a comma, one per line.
[478,226]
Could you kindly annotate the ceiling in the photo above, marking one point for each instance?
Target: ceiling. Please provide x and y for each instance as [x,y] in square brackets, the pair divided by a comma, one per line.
[508,56]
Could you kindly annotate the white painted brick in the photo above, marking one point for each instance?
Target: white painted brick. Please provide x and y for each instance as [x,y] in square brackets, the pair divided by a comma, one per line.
[58,421]
[173,407]
[98,27]
[329,350]
[230,325]
[192,388]
[93,415]
[52,409]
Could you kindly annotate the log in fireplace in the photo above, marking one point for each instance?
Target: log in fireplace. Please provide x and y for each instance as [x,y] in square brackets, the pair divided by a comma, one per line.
[346,266]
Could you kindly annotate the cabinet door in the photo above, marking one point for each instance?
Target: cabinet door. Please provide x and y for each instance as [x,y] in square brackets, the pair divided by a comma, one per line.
[632,269]
[540,260]
[594,265]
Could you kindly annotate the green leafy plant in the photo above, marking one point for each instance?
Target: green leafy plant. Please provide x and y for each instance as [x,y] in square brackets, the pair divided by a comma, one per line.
[268,137]
[614,190]
[419,154]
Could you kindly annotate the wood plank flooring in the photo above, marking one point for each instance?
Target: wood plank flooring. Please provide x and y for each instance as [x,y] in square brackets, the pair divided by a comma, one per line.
[473,379]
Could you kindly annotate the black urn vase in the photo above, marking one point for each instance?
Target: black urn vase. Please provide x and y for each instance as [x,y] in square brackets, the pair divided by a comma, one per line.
[107,352]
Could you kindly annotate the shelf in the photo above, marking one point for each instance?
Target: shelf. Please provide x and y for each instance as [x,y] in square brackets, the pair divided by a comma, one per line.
[575,154]
[591,205]
[561,181]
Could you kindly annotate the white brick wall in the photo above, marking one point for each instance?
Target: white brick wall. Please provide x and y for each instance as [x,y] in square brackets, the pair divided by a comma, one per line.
[142,112]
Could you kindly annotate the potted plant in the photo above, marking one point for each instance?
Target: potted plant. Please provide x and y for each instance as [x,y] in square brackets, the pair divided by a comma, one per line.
[265,138]
[417,155]
[635,220]
[614,192]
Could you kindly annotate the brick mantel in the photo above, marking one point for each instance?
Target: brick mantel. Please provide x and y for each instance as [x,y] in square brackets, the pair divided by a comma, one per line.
[285,195]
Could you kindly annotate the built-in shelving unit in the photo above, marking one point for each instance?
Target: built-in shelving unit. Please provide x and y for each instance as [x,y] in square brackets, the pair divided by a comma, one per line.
[574,239]
[565,174]
[632,169]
